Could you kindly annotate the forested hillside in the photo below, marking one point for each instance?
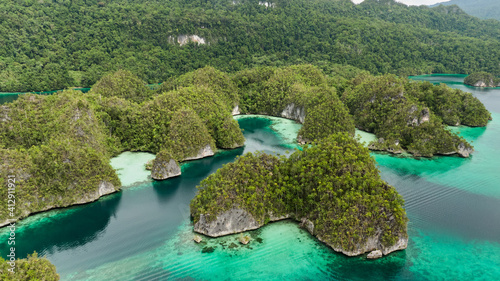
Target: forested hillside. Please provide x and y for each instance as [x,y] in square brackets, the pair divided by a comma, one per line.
[47,45]
[484,9]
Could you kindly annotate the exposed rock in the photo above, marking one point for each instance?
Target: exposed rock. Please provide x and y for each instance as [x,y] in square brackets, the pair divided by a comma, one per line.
[375,254]
[480,84]
[464,151]
[149,165]
[197,238]
[244,239]
[236,110]
[295,113]
[184,39]
[4,113]
[425,116]
[301,140]
[267,4]
[232,221]
[415,120]
[164,167]
[237,220]
[309,225]
[273,217]
[489,83]
[401,244]
[202,153]
[106,188]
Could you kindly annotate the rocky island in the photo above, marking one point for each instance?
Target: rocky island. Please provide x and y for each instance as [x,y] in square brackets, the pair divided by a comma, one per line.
[58,147]
[332,188]
[482,79]
[411,116]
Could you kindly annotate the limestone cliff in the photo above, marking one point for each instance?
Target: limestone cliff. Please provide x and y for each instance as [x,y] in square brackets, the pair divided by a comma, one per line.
[56,151]
[205,151]
[184,39]
[482,79]
[338,197]
[237,220]
[164,166]
[293,112]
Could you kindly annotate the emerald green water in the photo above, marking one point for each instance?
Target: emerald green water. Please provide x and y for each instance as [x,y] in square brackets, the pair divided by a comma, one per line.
[144,232]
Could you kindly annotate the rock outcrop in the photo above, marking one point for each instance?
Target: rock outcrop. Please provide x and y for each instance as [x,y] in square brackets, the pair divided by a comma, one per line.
[375,254]
[185,39]
[237,220]
[202,153]
[489,83]
[464,151]
[164,167]
[104,188]
[482,79]
[293,112]
[232,221]
[236,110]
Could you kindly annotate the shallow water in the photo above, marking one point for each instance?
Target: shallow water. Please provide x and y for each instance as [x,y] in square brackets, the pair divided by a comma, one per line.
[144,232]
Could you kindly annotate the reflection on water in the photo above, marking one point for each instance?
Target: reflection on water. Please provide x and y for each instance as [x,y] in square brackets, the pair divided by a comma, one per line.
[64,229]
[453,205]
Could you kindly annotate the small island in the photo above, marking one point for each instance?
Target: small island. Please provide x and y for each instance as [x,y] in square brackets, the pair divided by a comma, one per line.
[482,79]
[332,188]
[411,116]
[59,146]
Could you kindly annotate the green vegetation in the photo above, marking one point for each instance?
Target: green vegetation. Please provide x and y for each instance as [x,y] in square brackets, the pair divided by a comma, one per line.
[299,92]
[122,84]
[182,121]
[406,115]
[453,106]
[57,150]
[31,268]
[207,77]
[334,183]
[482,79]
[47,45]
[58,147]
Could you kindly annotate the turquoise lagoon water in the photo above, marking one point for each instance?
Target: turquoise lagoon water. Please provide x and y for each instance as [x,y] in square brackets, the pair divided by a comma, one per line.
[144,232]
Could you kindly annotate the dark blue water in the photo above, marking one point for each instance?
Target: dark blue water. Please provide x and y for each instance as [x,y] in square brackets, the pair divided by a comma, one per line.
[144,232]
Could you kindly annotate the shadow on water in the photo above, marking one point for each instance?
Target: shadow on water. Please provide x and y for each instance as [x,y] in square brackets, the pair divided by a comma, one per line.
[62,229]
[165,190]
[407,165]
[360,268]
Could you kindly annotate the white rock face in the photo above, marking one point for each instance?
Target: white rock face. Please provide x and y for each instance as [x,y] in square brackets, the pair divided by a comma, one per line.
[480,84]
[106,188]
[237,220]
[236,110]
[309,225]
[267,4]
[463,151]
[375,254]
[164,169]
[401,244]
[202,153]
[293,112]
[184,39]
[232,221]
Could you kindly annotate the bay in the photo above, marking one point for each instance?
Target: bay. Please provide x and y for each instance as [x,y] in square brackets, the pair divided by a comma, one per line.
[144,232]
